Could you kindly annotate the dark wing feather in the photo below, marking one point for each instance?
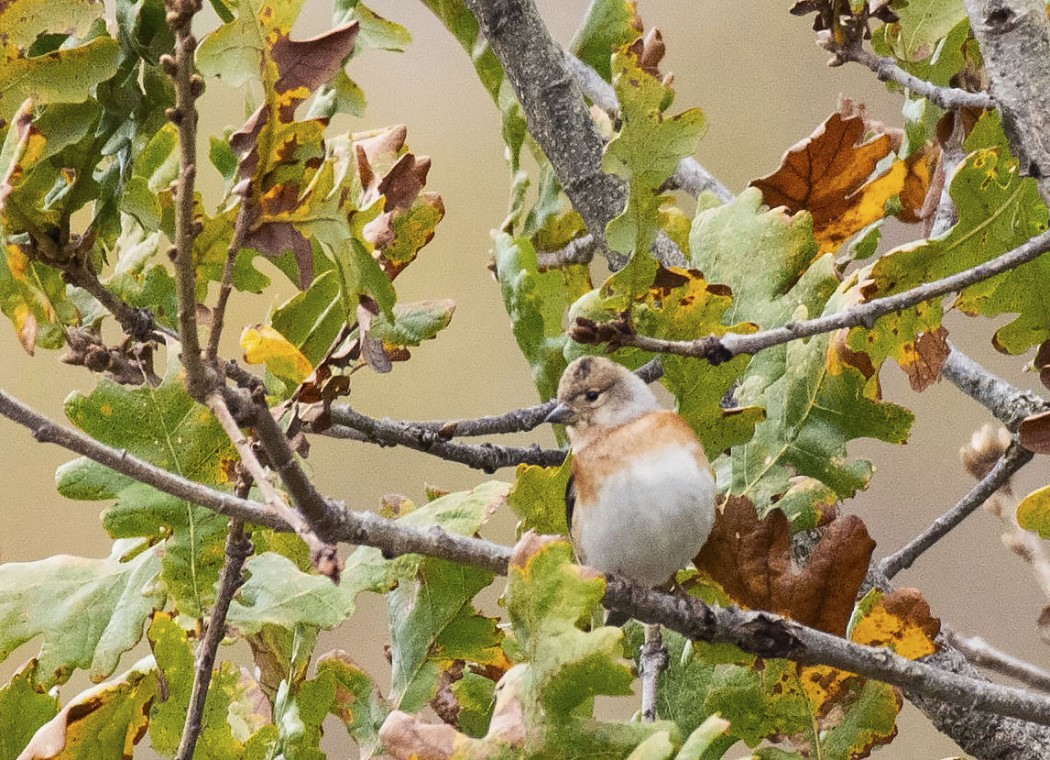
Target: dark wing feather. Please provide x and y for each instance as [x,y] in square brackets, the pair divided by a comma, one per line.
[570,502]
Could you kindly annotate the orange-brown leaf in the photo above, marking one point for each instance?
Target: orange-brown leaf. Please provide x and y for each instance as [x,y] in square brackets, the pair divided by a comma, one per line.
[923,359]
[901,621]
[751,559]
[828,175]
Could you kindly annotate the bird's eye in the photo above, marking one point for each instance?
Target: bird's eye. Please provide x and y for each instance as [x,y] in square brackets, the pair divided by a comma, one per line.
[592,395]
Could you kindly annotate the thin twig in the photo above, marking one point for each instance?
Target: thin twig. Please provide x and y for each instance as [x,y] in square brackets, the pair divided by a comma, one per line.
[487,457]
[139,323]
[218,314]
[984,655]
[1009,463]
[718,349]
[578,251]
[238,549]
[515,421]
[652,661]
[887,70]
[272,497]
[690,176]
[760,633]
[188,87]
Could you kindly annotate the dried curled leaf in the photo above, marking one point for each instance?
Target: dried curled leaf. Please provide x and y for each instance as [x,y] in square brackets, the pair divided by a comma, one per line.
[828,175]
[751,559]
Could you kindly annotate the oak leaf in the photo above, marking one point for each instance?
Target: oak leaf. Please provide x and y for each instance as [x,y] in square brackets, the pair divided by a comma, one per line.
[751,559]
[827,174]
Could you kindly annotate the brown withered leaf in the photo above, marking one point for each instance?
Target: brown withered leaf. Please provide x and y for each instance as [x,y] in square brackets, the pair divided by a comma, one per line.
[900,621]
[923,359]
[828,175]
[914,196]
[305,65]
[1035,433]
[751,559]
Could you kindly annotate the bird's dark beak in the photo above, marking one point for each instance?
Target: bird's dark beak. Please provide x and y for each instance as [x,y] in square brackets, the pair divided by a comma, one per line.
[560,414]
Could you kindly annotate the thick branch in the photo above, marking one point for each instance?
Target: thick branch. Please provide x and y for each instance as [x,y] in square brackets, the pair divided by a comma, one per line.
[887,70]
[1014,36]
[1013,460]
[760,633]
[555,111]
[721,349]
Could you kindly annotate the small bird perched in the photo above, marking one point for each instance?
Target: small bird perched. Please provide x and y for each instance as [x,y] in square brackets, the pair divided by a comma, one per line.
[641,499]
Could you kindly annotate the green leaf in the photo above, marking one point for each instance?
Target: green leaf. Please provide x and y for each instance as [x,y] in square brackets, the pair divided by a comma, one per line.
[312,318]
[536,302]
[645,152]
[547,596]
[24,707]
[433,624]
[107,720]
[760,253]
[66,75]
[1033,513]
[167,717]
[33,297]
[22,21]
[358,703]
[538,498]
[708,742]
[413,322]
[922,23]
[608,26]
[164,426]
[278,593]
[376,32]
[998,210]
[871,721]
[88,611]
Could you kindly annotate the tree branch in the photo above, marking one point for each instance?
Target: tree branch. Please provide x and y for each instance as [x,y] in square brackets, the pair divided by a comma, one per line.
[1009,463]
[238,549]
[1014,37]
[719,349]
[984,655]
[760,633]
[487,457]
[218,314]
[887,70]
[188,87]
[554,109]
[1007,403]
[318,512]
[652,661]
[273,498]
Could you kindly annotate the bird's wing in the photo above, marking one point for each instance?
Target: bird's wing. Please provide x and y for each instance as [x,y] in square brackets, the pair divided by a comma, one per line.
[570,501]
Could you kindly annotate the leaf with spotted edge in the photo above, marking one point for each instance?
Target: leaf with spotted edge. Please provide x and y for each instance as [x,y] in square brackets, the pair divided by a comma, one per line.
[998,210]
[164,426]
[107,720]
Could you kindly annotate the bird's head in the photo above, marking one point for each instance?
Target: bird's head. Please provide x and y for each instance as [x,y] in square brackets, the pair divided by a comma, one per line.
[595,392]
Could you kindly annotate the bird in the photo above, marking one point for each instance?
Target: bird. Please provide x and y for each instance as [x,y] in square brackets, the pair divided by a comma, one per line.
[640,501]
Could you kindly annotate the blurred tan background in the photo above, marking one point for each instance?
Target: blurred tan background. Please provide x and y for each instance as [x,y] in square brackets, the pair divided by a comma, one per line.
[764,85]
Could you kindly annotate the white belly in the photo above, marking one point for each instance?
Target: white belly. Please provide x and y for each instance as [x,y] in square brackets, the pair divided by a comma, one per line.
[654,518]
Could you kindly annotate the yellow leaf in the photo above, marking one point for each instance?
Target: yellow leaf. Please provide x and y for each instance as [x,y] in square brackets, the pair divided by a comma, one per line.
[900,620]
[262,344]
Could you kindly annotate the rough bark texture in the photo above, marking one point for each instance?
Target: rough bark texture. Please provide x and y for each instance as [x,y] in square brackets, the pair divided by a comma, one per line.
[1014,36]
[555,111]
